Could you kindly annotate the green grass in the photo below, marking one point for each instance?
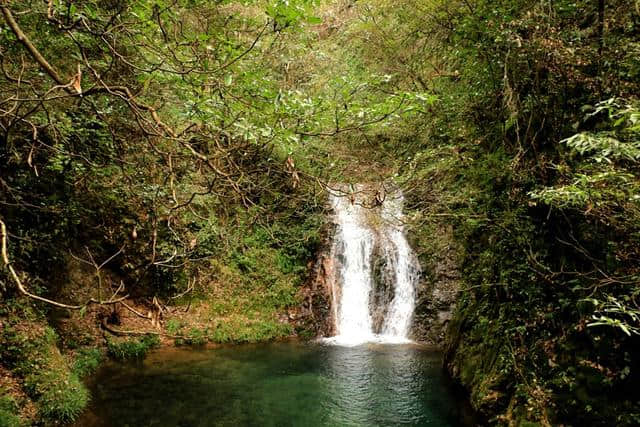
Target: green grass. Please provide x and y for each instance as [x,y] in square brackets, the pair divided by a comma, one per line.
[8,411]
[87,361]
[31,352]
[239,330]
[129,349]
[197,336]
[174,326]
[62,396]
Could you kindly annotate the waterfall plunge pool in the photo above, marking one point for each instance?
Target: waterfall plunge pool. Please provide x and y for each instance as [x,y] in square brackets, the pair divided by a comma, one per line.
[277,384]
[363,381]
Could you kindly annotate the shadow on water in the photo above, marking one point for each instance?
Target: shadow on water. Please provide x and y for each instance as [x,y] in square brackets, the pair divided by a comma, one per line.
[278,384]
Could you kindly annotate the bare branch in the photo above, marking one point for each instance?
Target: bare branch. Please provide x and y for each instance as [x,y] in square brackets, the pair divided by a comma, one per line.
[22,38]
[24,291]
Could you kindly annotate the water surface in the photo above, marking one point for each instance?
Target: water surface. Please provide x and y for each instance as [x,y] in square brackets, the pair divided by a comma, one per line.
[278,384]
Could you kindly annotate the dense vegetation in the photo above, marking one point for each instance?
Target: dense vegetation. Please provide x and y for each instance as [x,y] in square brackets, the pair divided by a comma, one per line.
[177,153]
[531,153]
[145,159]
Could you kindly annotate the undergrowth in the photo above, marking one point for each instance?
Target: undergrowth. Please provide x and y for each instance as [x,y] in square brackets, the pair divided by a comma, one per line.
[8,410]
[30,351]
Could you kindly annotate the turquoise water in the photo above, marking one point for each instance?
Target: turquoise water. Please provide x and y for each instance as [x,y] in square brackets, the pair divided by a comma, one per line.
[278,384]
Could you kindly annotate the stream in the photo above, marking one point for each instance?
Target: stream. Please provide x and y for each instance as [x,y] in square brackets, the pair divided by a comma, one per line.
[277,384]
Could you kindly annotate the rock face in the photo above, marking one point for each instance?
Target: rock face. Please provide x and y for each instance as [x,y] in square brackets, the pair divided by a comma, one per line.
[315,316]
[382,292]
[436,292]
[438,289]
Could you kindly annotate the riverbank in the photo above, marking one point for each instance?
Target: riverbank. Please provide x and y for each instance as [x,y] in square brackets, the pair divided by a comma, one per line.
[44,349]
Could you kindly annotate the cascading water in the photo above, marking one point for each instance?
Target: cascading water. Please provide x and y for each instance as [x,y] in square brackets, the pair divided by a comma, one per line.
[375,271]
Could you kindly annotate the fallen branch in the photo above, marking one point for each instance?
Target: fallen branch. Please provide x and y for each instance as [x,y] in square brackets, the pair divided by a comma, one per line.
[136,312]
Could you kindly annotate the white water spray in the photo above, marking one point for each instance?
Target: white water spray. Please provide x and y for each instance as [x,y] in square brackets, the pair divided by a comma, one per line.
[367,237]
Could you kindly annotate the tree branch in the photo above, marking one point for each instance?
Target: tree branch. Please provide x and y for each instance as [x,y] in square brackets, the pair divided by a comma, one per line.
[24,291]
[22,38]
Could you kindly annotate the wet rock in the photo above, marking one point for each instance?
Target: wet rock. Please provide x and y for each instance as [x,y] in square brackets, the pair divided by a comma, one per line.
[314,318]
[382,292]
[438,289]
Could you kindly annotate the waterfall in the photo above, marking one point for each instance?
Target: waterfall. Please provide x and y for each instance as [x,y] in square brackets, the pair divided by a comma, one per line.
[375,271]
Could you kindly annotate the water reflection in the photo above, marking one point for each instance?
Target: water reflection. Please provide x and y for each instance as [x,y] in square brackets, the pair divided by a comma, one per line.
[349,372]
[286,384]
[380,385]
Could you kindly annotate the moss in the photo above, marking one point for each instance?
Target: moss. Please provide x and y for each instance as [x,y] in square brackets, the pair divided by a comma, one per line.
[306,332]
[9,411]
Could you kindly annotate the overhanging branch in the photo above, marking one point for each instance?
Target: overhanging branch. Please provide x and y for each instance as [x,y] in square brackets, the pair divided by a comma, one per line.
[22,38]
